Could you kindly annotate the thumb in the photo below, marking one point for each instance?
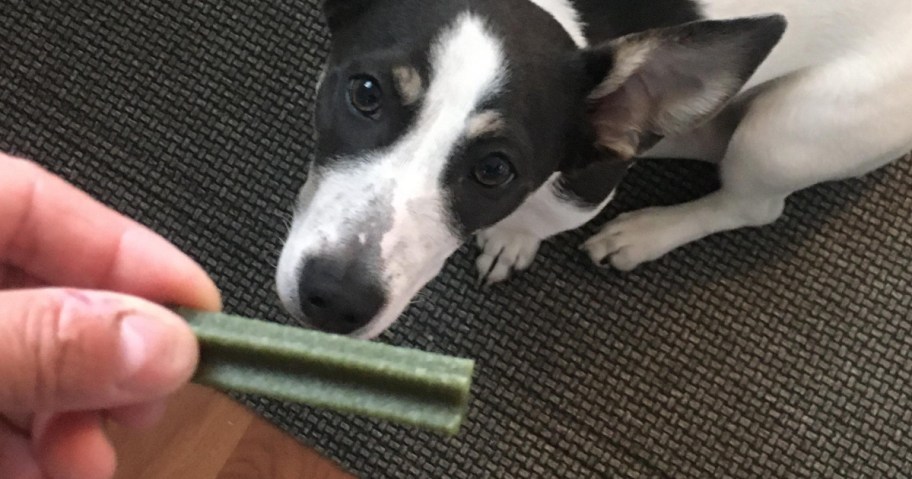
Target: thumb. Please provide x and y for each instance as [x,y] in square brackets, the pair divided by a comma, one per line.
[70,350]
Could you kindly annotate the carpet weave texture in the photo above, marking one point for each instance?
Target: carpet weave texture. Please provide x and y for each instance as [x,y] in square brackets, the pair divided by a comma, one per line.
[784,351]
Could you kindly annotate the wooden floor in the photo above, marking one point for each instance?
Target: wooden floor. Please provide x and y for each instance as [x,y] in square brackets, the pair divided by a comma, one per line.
[206,435]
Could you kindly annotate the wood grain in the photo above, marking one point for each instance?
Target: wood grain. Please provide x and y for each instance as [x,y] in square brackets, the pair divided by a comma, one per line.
[206,435]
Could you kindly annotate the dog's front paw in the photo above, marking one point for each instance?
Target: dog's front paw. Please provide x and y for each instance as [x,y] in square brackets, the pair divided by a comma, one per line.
[504,251]
[635,238]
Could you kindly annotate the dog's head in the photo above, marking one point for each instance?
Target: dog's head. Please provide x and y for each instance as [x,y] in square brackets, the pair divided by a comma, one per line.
[438,119]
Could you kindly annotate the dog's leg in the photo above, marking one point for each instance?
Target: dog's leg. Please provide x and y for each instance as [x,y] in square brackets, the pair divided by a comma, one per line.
[564,202]
[812,128]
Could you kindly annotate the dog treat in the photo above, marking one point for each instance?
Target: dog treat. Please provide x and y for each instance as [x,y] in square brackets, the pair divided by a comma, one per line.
[406,386]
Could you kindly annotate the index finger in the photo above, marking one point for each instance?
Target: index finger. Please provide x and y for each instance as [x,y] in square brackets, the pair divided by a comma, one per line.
[56,233]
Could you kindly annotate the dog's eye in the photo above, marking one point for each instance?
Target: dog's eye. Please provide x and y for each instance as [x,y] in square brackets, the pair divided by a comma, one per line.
[494,170]
[365,94]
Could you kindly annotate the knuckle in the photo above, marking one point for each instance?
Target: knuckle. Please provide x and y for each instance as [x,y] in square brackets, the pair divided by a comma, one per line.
[56,335]
[39,323]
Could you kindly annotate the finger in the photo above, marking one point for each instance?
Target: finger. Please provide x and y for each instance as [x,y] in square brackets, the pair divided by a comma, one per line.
[20,420]
[139,416]
[12,277]
[16,459]
[58,234]
[68,350]
[74,446]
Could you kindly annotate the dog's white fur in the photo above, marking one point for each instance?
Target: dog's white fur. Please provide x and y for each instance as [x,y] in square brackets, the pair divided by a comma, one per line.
[401,184]
[832,101]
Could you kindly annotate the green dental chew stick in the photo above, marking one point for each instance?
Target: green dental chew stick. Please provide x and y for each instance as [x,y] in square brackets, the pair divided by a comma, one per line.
[406,386]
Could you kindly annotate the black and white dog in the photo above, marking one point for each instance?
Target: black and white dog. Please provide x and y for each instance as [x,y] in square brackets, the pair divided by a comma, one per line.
[515,120]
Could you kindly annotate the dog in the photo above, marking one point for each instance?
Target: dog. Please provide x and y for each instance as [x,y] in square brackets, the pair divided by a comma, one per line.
[515,120]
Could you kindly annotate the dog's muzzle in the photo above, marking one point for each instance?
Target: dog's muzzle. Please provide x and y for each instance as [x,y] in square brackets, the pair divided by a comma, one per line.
[363,242]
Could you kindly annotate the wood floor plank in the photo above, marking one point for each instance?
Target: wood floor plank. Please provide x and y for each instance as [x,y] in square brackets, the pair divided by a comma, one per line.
[206,435]
[266,452]
[199,433]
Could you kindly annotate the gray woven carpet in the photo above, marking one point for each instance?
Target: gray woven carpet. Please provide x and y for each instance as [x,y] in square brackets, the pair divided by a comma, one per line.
[780,352]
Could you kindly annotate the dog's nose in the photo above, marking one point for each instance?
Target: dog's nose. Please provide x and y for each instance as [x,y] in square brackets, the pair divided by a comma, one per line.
[338,297]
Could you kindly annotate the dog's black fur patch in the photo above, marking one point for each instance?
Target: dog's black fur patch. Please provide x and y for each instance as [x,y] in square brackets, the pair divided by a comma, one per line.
[609,19]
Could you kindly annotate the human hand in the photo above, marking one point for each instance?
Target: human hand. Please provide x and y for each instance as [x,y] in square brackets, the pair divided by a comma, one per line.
[77,344]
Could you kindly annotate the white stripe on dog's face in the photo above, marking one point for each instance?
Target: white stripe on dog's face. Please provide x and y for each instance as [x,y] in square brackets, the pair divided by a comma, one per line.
[390,204]
[565,13]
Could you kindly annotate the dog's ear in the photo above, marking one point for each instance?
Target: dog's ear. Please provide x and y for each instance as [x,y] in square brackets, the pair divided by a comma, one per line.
[649,85]
[338,12]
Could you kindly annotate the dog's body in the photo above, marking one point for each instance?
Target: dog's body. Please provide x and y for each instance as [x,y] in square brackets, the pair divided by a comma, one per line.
[831,102]
[515,120]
